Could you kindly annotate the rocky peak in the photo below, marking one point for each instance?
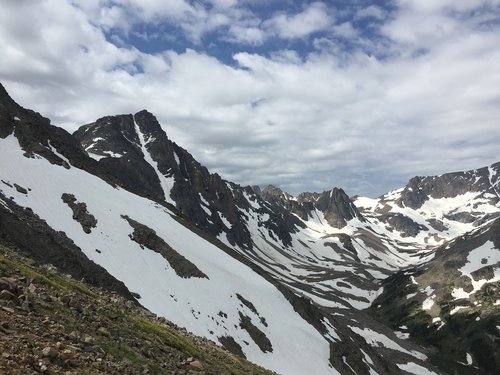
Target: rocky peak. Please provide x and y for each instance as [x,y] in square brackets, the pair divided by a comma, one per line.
[335,204]
[449,185]
[337,207]
[109,136]
[137,151]
[115,144]
[3,92]
[148,124]
[12,114]
[274,194]
[412,195]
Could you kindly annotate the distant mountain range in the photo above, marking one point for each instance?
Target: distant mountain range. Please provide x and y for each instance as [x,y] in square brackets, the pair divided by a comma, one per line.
[316,283]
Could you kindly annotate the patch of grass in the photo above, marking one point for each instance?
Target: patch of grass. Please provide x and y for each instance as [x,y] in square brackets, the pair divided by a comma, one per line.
[51,279]
[166,336]
[122,351]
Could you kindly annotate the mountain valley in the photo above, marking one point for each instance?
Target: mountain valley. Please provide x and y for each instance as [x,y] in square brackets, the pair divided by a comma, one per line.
[320,283]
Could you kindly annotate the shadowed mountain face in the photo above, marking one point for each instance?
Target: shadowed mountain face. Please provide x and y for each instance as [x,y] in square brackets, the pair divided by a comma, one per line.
[257,269]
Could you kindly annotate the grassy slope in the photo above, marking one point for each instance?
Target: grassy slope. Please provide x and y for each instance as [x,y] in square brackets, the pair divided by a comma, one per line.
[93,330]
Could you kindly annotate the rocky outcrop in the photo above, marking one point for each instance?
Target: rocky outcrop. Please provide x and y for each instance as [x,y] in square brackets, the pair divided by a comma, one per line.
[22,229]
[80,213]
[256,334]
[147,237]
[337,207]
[403,224]
[335,204]
[230,344]
[114,142]
[449,185]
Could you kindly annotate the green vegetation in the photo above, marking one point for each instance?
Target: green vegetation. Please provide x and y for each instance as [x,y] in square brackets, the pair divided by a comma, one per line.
[51,279]
[471,330]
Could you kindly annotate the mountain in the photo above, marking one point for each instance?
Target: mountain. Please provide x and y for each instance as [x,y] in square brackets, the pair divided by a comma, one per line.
[290,283]
[451,301]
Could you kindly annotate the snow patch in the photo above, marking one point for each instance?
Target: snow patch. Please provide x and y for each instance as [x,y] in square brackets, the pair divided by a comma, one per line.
[375,338]
[167,183]
[413,368]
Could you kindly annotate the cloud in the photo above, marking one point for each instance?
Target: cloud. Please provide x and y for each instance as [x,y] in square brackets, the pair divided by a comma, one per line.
[330,117]
[345,30]
[315,17]
[246,35]
[373,11]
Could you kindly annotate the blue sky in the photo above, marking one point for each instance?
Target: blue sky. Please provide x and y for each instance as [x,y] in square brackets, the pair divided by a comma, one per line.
[305,95]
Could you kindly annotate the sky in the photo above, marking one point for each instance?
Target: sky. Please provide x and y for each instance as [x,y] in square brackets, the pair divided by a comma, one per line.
[305,95]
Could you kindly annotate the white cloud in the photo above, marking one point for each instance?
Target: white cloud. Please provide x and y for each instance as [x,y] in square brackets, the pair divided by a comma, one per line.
[246,35]
[371,11]
[345,30]
[315,17]
[302,122]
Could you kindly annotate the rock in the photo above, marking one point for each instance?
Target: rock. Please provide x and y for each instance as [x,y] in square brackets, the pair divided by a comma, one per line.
[87,339]
[75,334]
[197,366]
[8,283]
[80,213]
[32,288]
[7,296]
[67,354]
[20,189]
[50,352]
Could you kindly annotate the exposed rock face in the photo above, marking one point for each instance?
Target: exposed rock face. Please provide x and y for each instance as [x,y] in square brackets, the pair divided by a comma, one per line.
[147,237]
[22,229]
[80,213]
[115,142]
[449,185]
[337,207]
[425,300]
[120,143]
[403,224]
[231,345]
[335,204]
[256,334]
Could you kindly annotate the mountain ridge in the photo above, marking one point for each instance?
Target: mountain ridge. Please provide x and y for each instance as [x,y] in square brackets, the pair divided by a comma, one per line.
[323,257]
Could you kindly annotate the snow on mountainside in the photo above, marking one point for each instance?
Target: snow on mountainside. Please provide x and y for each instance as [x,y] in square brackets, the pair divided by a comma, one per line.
[240,265]
[171,267]
[453,301]
[210,306]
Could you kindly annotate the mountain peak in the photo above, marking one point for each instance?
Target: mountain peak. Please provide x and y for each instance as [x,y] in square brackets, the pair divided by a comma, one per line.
[337,207]
[258,275]
[148,123]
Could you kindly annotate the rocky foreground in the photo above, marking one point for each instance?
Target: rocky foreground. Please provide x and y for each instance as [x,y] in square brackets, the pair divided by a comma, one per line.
[53,324]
